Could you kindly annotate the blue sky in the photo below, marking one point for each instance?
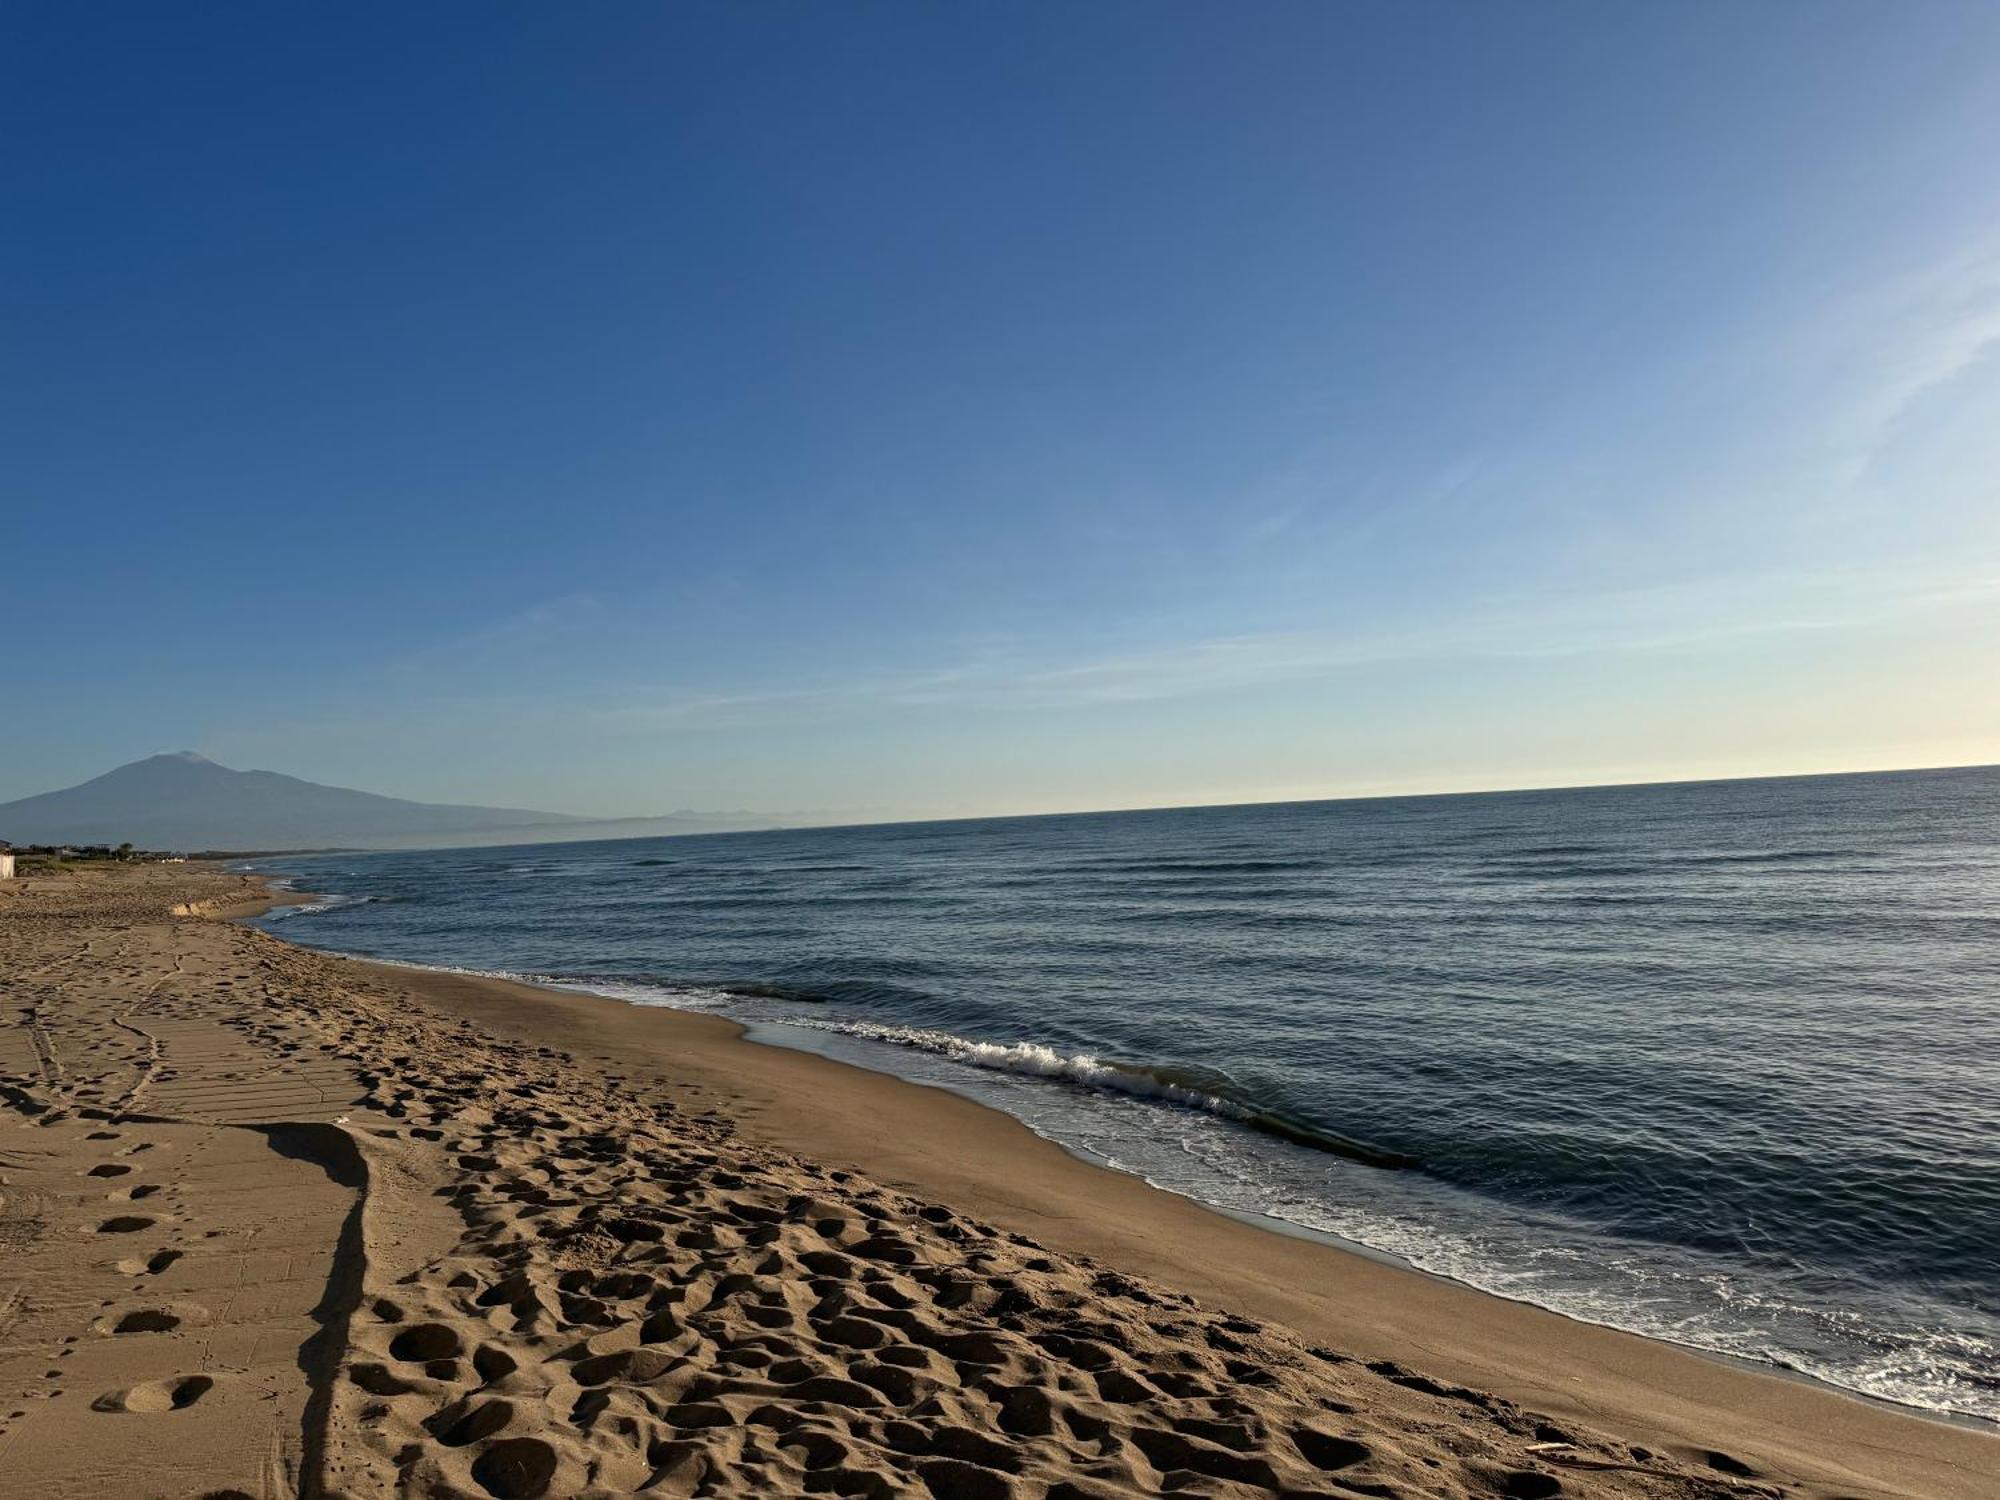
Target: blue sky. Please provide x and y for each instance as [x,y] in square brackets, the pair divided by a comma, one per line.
[904,409]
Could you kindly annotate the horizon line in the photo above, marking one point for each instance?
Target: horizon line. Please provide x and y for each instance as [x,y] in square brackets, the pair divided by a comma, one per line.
[1090,812]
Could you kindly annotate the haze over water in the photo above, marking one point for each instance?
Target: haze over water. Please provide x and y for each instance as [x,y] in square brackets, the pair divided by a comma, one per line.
[1715,1062]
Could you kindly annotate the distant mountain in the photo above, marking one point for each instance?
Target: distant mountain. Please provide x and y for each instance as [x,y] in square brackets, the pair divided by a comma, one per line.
[186,801]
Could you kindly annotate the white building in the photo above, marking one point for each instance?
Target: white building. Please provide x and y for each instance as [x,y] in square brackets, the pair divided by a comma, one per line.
[6,863]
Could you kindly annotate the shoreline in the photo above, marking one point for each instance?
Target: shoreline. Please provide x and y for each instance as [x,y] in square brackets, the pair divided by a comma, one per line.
[768,1035]
[1378,1309]
[1336,1244]
[538,1242]
[1269,1223]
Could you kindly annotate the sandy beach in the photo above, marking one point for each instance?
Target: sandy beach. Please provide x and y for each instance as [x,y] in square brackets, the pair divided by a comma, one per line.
[274,1223]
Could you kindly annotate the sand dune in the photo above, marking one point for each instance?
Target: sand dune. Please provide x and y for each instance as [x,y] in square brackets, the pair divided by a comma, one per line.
[274,1225]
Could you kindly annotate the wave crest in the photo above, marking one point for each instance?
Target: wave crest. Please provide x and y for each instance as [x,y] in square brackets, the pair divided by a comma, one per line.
[1081,1069]
[314,906]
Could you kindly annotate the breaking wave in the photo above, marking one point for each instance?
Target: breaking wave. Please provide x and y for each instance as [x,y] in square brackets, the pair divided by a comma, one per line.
[1188,1088]
[315,905]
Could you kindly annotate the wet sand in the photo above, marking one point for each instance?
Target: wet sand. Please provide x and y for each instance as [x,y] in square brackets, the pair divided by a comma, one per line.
[274,1223]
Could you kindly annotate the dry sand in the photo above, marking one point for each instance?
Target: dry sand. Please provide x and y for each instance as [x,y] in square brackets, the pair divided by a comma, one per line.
[273,1223]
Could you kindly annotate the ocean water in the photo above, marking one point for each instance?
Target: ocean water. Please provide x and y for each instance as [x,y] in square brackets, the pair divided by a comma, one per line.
[1718,1063]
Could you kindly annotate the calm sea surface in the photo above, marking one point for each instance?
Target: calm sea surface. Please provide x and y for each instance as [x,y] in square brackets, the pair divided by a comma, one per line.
[1718,1063]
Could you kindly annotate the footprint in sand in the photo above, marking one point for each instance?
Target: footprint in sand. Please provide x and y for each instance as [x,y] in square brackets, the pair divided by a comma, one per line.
[150,1266]
[426,1342]
[126,1224]
[175,1394]
[1324,1451]
[460,1425]
[147,1320]
[516,1468]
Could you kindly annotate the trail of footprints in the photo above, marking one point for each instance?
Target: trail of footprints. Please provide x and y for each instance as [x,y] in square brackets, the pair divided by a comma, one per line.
[153,1396]
[175,1393]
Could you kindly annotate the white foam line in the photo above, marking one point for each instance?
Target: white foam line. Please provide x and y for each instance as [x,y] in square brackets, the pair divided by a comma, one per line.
[1033,1060]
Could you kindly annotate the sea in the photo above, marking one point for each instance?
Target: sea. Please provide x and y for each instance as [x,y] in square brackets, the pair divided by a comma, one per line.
[1717,1063]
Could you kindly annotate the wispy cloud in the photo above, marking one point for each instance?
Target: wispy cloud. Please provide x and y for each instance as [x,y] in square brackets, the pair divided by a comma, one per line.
[1909,341]
[1660,619]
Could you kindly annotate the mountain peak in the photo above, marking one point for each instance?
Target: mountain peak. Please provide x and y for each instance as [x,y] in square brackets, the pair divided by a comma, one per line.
[179,799]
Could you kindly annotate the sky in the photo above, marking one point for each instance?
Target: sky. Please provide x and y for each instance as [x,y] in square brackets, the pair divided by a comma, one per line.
[876,410]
